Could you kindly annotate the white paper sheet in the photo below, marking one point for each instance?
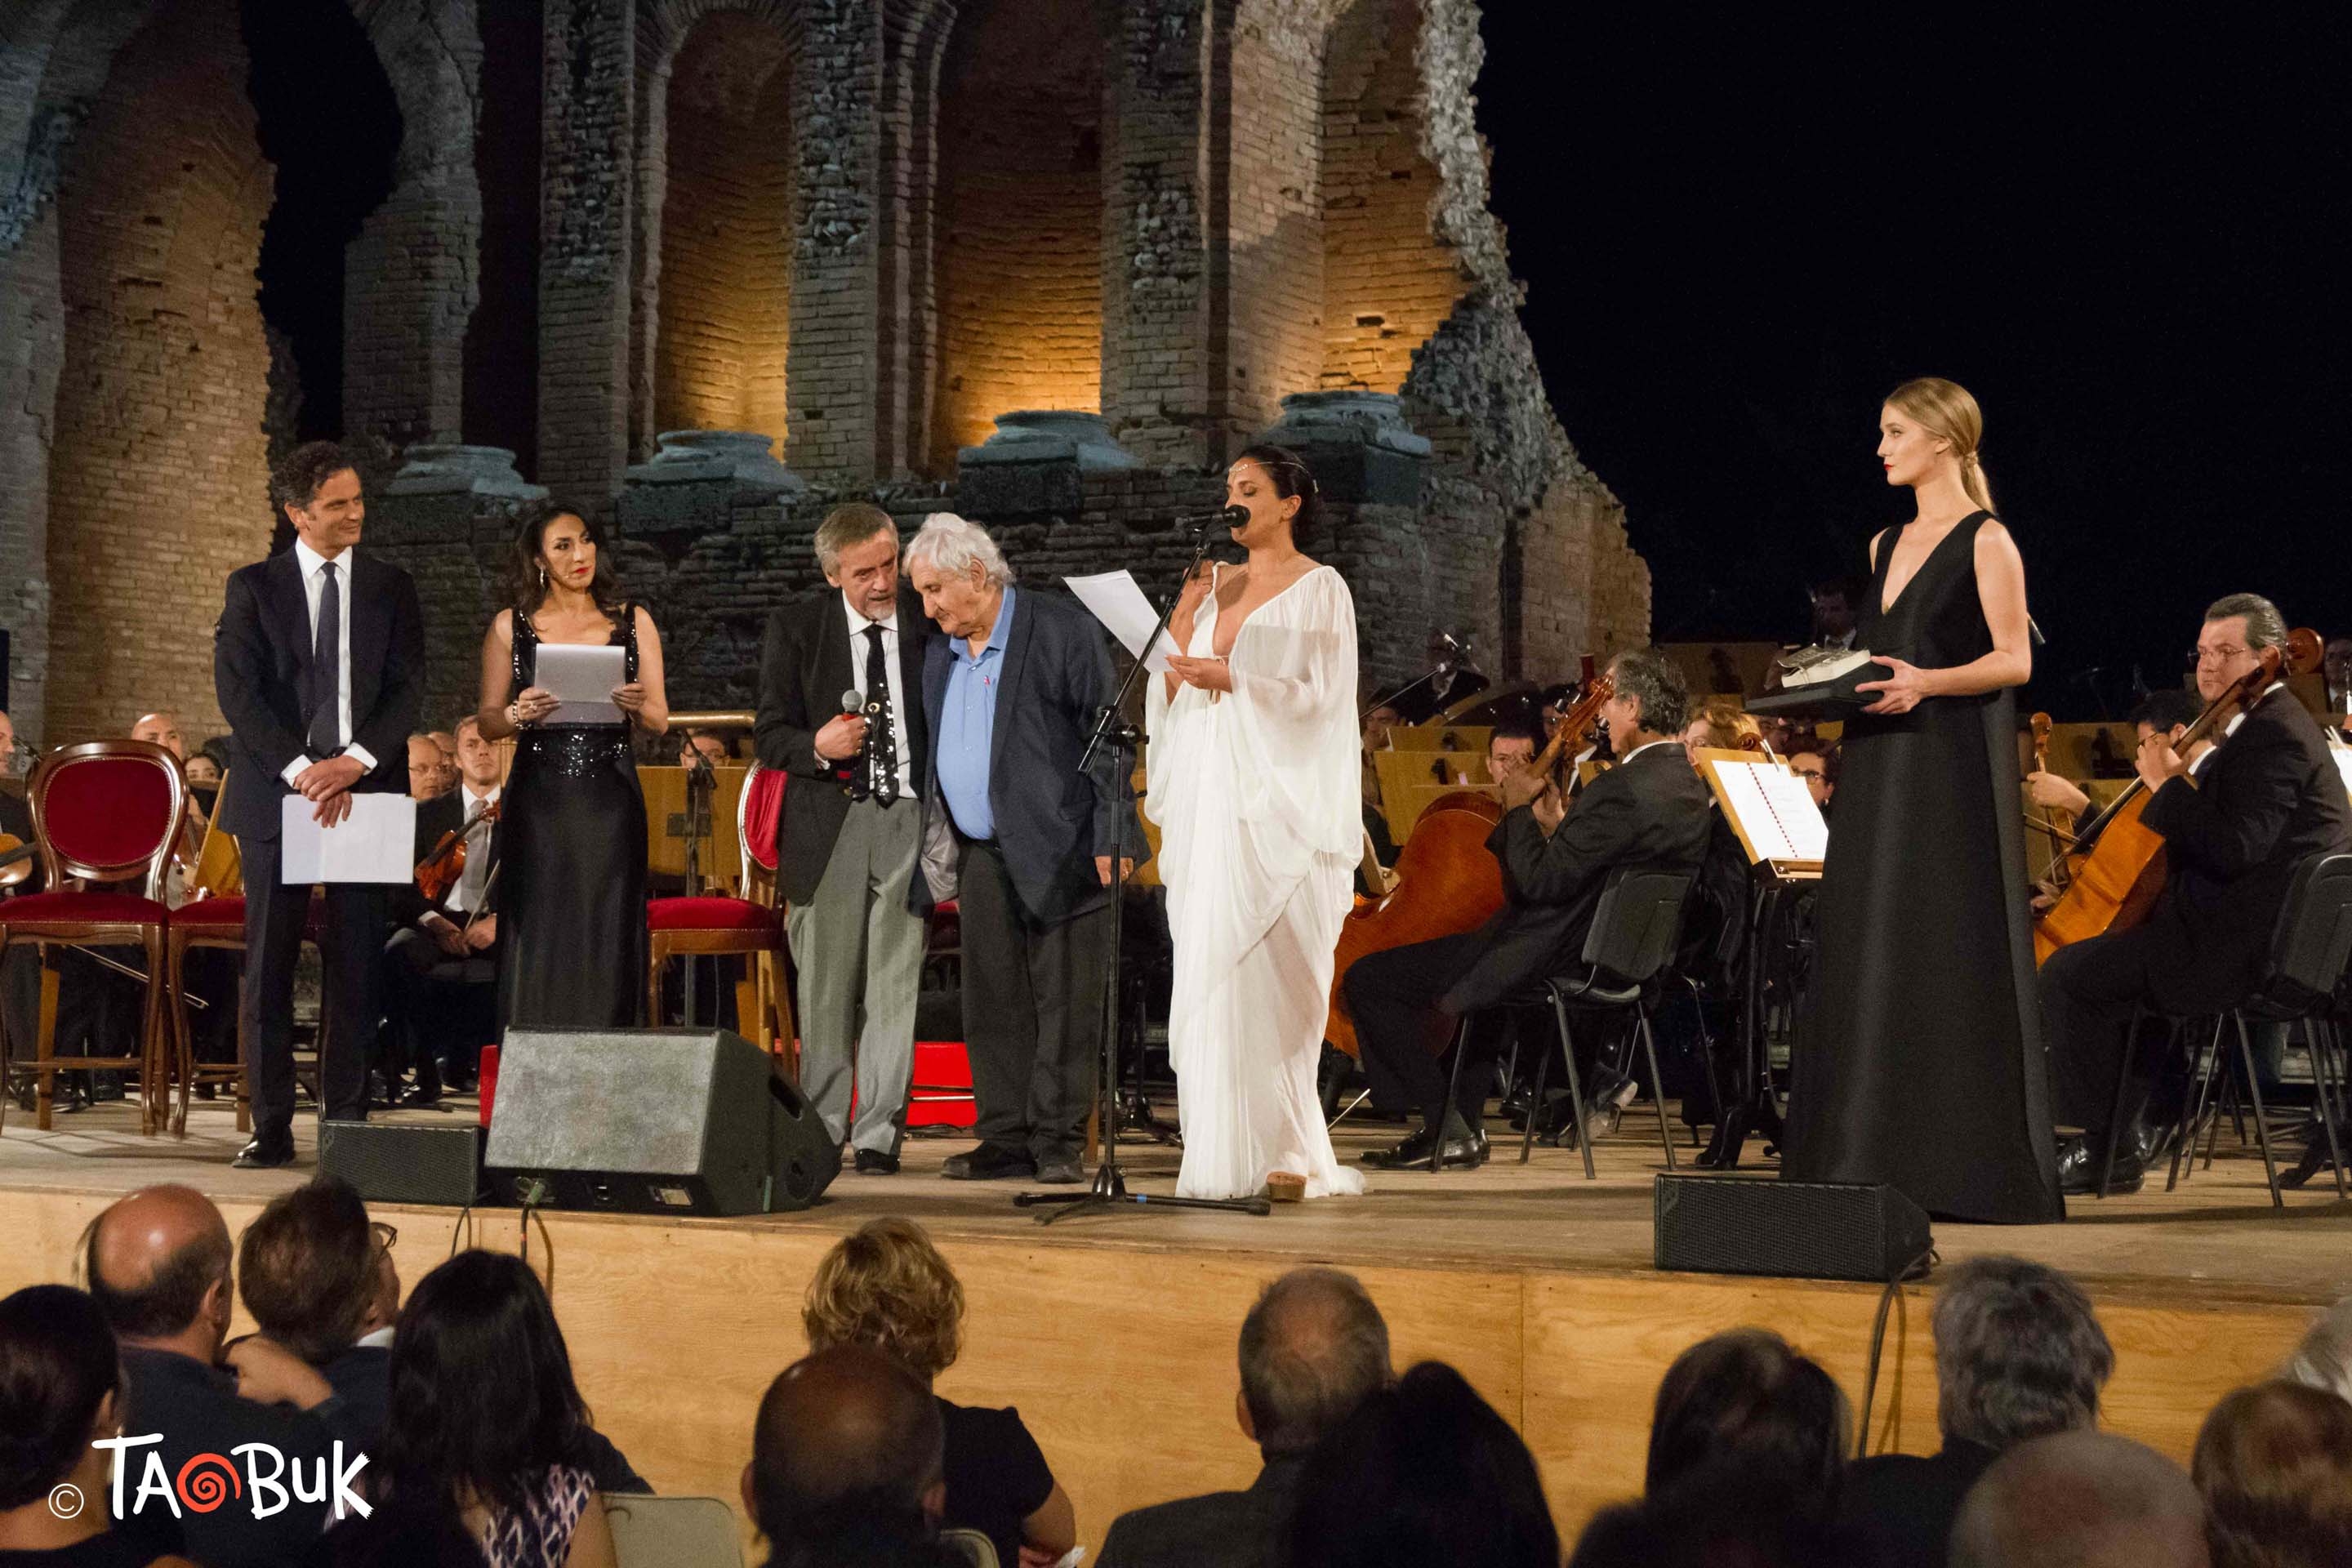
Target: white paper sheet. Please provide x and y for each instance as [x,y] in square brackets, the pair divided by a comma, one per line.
[1773,804]
[582,677]
[377,843]
[1123,610]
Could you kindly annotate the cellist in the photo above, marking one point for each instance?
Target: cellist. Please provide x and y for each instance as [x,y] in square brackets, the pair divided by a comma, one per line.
[1650,810]
[2170,713]
[2268,798]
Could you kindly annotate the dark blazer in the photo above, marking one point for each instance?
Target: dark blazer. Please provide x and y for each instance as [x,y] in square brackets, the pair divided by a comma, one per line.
[1238,1529]
[804,670]
[2270,798]
[261,669]
[1651,812]
[1897,1509]
[1051,820]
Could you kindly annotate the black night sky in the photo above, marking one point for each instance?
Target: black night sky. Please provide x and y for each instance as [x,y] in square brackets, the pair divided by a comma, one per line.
[1740,231]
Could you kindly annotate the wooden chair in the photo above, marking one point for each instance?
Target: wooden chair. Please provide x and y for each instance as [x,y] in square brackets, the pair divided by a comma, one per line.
[750,925]
[105,812]
[215,923]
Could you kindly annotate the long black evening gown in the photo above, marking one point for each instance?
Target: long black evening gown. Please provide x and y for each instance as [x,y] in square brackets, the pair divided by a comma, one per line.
[573,902]
[1920,1061]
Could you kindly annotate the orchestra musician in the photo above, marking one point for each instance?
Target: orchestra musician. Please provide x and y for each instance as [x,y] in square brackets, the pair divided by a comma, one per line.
[573,893]
[425,782]
[441,964]
[1649,811]
[2168,714]
[1450,679]
[2268,798]
[319,664]
[1512,745]
[852,829]
[1919,1063]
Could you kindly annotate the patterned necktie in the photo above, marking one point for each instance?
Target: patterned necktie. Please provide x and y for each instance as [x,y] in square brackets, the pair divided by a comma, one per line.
[881,745]
[326,669]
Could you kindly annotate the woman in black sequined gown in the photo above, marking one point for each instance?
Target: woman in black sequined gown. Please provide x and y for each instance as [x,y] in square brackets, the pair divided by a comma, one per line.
[571,889]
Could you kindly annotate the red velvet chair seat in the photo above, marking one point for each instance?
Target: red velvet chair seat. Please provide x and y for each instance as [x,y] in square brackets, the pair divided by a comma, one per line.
[106,909]
[713,913]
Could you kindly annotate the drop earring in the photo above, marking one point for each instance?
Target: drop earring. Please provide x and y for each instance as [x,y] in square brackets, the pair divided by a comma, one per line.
[543,579]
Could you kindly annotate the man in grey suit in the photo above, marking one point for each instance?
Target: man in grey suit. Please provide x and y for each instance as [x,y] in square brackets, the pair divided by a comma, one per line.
[1010,696]
[1312,1349]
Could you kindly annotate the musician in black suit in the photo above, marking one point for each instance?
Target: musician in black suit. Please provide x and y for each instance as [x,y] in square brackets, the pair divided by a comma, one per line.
[319,663]
[2269,798]
[1010,695]
[852,828]
[1650,811]
[441,967]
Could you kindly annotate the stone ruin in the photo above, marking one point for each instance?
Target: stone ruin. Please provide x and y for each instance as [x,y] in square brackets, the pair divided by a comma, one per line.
[706,267]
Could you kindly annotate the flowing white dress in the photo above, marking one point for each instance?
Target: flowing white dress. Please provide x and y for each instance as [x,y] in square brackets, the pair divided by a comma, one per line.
[1261,826]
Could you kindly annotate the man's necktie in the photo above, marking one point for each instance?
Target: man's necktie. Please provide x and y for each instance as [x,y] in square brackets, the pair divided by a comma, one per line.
[881,745]
[326,669]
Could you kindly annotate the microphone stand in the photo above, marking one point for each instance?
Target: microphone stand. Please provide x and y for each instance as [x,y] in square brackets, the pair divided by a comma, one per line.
[1443,667]
[1109,1186]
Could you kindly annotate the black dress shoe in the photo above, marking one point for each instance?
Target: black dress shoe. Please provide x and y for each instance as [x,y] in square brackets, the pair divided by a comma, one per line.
[265,1154]
[2315,1161]
[421,1098]
[874,1162]
[1064,1172]
[1605,1105]
[989,1163]
[1413,1153]
[1722,1151]
[2078,1168]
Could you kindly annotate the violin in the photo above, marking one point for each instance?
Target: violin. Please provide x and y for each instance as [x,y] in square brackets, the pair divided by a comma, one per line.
[2119,869]
[444,865]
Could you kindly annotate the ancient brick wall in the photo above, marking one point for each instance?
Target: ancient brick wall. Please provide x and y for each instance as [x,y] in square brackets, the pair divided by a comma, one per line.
[1270,266]
[161,490]
[589,75]
[1020,205]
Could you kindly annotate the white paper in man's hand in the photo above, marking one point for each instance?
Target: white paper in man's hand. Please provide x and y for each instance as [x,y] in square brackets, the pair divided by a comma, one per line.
[581,678]
[377,843]
[1123,610]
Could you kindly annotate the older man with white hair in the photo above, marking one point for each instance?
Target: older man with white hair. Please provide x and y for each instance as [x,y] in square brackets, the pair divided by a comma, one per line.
[1010,696]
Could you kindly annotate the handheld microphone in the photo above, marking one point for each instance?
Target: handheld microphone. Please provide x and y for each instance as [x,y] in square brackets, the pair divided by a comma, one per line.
[1227,516]
[845,770]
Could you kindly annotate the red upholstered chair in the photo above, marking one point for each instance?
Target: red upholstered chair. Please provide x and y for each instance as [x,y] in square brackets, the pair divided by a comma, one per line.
[750,925]
[106,812]
[216,922]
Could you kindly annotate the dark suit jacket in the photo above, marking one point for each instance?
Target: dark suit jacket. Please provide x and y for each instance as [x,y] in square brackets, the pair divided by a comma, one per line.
[261,673]
[1897,1508]
[2270,798]
[804,670]
[1651,812]
[442,814]
[1051,820]
[1235,1529]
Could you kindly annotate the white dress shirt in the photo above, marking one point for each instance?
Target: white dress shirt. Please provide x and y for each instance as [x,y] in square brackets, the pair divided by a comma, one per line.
[889,625]
[314,583]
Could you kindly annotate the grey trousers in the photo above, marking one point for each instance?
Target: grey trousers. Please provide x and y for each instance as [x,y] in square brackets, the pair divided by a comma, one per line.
[860,955]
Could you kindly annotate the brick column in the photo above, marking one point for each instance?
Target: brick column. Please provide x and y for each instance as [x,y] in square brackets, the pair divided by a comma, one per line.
[834,396]
[584,267]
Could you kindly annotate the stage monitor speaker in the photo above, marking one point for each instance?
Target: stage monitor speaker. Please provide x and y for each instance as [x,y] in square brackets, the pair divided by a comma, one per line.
[404,1162]
[653,1122]
[1798,1230]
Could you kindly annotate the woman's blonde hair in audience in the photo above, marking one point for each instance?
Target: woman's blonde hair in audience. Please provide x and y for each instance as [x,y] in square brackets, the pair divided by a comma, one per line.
[1728,728]
[887,1287]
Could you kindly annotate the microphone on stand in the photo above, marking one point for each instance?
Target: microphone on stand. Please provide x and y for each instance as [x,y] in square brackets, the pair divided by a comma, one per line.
[1226,516]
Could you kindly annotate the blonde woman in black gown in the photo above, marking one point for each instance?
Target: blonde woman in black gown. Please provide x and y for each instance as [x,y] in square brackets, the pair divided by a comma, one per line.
[1920,1062]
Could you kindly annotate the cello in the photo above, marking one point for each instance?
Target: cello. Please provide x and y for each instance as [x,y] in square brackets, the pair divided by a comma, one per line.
[2061,836]
[2114,884]
[1444,883]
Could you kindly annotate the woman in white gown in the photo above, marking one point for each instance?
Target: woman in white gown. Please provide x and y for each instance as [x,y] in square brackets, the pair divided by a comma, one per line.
[1253,778]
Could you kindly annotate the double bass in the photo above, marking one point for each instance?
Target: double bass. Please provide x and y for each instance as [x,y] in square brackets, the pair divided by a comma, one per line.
[2114,884]
[1444,882]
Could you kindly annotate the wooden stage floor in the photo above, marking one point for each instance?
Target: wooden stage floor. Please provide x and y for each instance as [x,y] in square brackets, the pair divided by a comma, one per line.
[1113,1334]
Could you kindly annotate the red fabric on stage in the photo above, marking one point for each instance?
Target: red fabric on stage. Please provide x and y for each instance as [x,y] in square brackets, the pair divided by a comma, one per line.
[108,811]
[111,908]
[710,914]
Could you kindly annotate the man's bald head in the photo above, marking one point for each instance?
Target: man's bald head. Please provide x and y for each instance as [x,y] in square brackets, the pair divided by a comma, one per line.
[1312,1349]
[158,1266]
[162,727]
[847,1435]
[2082,1499]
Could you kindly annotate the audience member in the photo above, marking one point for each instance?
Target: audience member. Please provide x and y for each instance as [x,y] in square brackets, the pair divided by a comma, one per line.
[2274,1465]
[424,770]
[2080,1499]
[158,1266]
[2324,1359]
[484,1451]
[60,1394]
[1425,1472]
[887,1288]
[1312,1349]
[847,1463]
[1745,1400]
[2019,1354]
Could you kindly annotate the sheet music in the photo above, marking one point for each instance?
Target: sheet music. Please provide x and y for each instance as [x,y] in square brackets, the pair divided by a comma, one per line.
[1773,810]
[1120,606]
[581,678]
[377,843]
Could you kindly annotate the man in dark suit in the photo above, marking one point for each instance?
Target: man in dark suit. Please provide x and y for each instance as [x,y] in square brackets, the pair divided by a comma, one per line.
[319,663]
[2269,798]
[1650,811]
[158,1266]
[441,967]
[1010,692]
[1312,1349]
[852,828]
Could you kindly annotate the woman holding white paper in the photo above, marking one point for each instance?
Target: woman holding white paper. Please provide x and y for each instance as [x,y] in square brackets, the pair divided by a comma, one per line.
[1252,780]
[572,896]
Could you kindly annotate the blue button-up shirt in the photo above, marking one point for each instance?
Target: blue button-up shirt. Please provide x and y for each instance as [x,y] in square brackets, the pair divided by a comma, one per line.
[968,725]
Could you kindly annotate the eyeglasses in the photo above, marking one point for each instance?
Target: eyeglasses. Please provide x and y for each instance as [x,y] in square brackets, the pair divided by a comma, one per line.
[386,1236]
[2222,655]
[1812,773]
